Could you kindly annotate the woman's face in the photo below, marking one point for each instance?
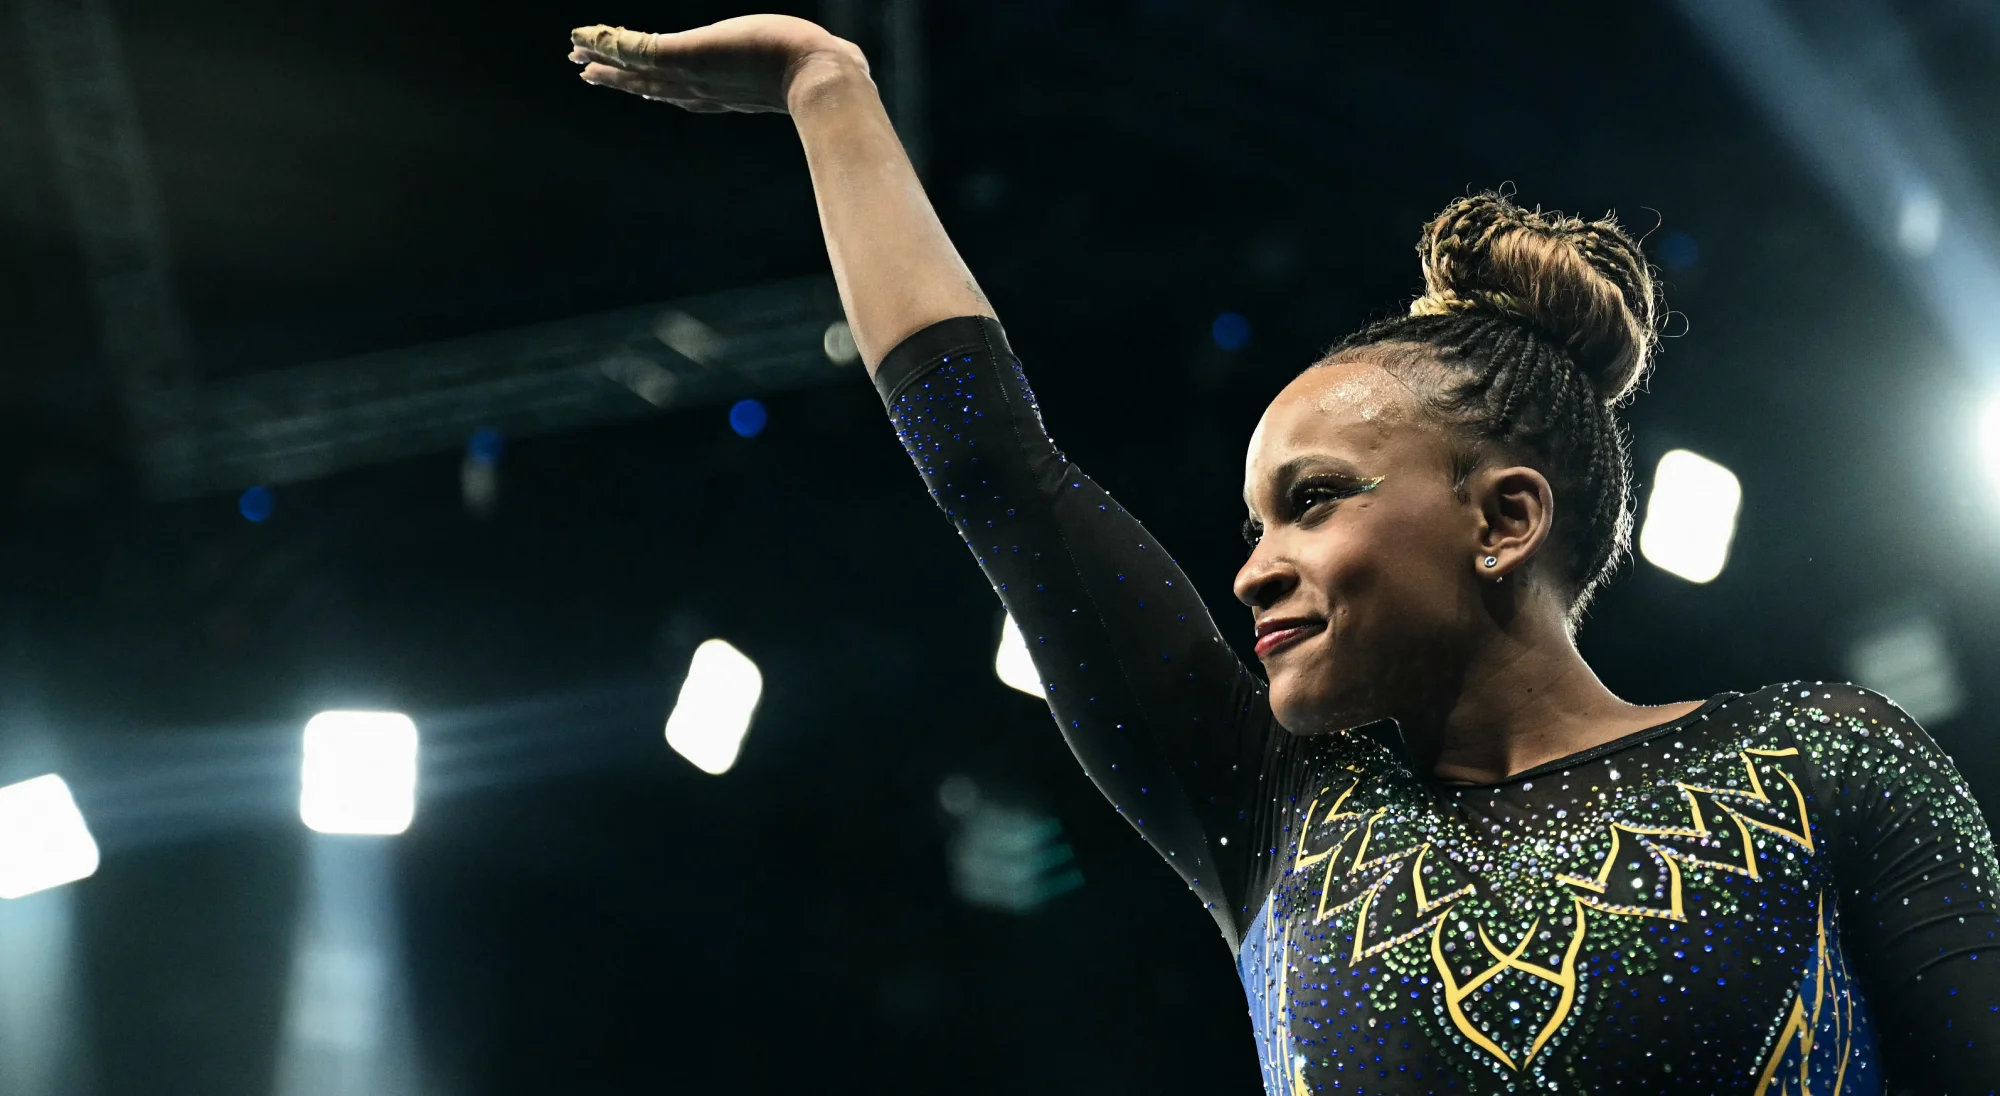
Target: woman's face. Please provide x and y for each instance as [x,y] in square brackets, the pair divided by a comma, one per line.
[1363,582]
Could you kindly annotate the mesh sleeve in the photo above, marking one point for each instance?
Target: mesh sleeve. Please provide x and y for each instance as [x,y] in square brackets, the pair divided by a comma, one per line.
[1164,717]
[1916,874]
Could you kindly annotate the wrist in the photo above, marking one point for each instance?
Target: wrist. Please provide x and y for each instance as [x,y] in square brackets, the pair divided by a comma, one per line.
[826,78]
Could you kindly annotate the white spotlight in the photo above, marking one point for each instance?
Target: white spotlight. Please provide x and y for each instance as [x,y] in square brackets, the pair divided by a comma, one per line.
[838,342]
[359,773]
[1920,221]
[713,713]
[1989,439]
[43,841]
[1012,662]
[1690,516]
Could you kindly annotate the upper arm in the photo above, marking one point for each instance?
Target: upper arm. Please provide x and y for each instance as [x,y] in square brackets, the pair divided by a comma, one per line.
[1916,871]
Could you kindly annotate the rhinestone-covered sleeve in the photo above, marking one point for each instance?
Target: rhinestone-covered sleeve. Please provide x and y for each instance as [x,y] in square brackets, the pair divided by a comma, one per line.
[1164,717]
[1916,871]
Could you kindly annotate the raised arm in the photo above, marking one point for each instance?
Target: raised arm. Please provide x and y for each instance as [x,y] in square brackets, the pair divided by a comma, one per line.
[1163,716]
[897,270]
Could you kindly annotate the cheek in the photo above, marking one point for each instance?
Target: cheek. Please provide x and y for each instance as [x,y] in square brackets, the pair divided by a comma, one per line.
[1382,563]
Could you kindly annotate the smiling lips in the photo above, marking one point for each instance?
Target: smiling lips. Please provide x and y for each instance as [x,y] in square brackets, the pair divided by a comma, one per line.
[1273,635]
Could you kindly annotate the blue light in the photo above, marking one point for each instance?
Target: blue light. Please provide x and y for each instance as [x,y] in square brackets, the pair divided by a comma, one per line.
[748,417]
[1230,331]
[485,445]
[255,504]
[1679,251]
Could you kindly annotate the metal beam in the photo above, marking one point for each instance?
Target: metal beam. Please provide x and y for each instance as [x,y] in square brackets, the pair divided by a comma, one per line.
[303,422]
[93,126]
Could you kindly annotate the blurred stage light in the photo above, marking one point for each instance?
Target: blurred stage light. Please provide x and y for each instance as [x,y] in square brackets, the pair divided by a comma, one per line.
[1989,439]
[1919,221]
[1002,857]
[44,1037]
[43,840]
[255,504]
[1908,658]
[748,418]
[479,487]
[1679,251]
[1885,146]
[1690,516]
[649,380]
[1230,331]
[360,773]
[716,702]
[838,344]
[1012,662]
[479,473]
[689,337]
[485,445]
[348,1029]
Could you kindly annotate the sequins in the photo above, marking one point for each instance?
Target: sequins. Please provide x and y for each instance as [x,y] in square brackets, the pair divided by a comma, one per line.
[1538,951]
[1782,893]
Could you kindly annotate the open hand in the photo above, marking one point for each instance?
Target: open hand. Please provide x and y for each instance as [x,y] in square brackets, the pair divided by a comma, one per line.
[746,64]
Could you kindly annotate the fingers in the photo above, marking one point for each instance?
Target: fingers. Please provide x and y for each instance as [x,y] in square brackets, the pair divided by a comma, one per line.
[664,89]
[648,84]
[616,45]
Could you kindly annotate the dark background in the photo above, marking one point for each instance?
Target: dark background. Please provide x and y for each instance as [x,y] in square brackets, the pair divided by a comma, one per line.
[580,909]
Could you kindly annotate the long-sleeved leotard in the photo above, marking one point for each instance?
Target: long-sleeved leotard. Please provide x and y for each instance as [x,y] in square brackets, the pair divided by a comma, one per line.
[1787,891]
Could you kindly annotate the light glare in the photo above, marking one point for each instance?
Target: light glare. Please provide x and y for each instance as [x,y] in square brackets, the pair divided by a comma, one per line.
[359,773]
[1012,662]
[1690,516]
[1989,439]
[1909,658]
[713,712]
[43,840]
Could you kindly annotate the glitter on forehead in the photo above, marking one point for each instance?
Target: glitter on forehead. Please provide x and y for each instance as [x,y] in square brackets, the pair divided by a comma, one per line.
[1366,396]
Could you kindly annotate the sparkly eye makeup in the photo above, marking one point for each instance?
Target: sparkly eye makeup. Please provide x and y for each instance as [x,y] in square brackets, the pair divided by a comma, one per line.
[1309,497]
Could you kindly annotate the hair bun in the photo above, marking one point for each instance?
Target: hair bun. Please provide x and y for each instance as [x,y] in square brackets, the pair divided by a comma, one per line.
[1584,285]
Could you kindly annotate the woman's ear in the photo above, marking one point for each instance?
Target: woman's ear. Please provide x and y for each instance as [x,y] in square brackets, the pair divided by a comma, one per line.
[1516,510]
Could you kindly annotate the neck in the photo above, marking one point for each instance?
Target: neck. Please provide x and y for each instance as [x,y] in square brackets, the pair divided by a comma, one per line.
[1526,698]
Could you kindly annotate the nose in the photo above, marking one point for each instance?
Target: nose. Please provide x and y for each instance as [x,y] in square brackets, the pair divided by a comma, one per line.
[1266,577]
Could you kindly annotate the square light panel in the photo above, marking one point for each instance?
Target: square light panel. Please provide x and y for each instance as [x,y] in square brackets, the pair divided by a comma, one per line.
[43,840]
[359,773]
[716,702]
[1690,516]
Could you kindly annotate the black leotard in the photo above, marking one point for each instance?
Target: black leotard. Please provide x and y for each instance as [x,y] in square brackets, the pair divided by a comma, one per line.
[1787,891]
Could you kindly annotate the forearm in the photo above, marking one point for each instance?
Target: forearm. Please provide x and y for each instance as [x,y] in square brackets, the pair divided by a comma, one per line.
[897,270]
[1165,719]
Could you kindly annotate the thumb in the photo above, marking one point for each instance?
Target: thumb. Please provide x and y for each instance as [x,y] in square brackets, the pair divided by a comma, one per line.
[625,48]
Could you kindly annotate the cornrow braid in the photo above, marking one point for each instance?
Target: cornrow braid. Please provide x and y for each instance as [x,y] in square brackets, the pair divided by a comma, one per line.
[1532,329]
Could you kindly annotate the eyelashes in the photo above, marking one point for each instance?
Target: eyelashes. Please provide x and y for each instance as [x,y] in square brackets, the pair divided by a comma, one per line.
[1307,496]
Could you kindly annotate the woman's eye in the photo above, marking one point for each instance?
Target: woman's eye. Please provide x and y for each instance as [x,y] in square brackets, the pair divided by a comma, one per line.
[1303,498]
[1309,497]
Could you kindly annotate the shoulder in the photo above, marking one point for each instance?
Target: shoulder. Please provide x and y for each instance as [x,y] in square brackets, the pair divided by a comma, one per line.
[1818,702]
[1839,725]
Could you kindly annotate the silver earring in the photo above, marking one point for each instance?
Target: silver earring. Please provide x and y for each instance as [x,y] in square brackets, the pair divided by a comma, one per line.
[1491,561]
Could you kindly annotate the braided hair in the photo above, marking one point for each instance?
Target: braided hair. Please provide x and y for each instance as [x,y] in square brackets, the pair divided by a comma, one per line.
[1532,329]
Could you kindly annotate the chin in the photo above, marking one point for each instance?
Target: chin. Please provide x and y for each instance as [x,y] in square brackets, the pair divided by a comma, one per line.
[1297,710]
[1305,706]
